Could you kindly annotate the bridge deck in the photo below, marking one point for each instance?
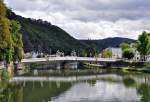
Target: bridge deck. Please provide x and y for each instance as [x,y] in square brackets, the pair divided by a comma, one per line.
[51,59]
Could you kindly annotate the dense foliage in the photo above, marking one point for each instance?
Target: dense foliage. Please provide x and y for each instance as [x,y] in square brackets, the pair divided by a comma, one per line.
[128,53]
[5,35]
[143,44]
[18,52]
[124,46]
[11,47]
[107,53]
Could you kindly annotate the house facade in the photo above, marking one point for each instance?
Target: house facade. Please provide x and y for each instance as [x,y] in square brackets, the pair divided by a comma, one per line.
[116,52]
[137,56]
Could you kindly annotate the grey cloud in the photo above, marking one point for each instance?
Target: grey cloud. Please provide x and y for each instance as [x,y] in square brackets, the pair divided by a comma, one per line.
[101,17]
[87,10]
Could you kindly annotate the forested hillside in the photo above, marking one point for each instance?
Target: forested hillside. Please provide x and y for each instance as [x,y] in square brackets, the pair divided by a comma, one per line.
[40,35]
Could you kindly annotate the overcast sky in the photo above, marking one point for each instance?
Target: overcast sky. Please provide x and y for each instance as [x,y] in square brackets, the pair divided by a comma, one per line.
[94,19]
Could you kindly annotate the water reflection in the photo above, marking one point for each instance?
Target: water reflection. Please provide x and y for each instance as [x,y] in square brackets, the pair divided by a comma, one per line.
[11,92]
[31,91]
[144,91]
[100,92]
[92,82]
[118,88]
[129,82]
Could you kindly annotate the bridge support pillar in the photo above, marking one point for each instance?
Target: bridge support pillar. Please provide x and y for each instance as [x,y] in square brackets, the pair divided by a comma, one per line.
[58,66]
[71,65]
[35,72]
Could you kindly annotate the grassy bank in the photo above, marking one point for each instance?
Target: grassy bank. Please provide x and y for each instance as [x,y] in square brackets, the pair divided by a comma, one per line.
[132,69]
[143,67]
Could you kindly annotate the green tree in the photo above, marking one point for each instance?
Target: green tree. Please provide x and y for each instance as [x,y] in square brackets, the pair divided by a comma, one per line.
[90,51]
[11,46]
[124,46]
[18,52]
[84,53]
[128,53]
[107,54]
[2,8]
[143,45]
[5,35]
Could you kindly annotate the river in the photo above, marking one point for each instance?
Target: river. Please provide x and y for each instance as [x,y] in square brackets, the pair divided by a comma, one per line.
[108,87]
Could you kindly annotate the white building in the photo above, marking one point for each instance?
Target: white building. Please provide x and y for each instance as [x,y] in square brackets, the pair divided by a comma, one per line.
[116,52]
[137,56]
[33,54]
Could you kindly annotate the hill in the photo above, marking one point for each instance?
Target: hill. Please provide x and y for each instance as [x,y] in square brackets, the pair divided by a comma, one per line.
[42,36]
[108,42]
[113,42]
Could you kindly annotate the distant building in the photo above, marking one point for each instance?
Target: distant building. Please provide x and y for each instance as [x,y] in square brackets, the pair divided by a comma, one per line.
[147,58]
[132,45]
[116,52]
[33,54]
[137,56]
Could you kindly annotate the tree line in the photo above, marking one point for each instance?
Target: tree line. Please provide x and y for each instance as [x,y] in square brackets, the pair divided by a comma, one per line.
[11,46]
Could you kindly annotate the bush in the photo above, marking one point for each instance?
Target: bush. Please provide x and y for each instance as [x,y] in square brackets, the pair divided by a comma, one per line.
[5,74]
[128,53]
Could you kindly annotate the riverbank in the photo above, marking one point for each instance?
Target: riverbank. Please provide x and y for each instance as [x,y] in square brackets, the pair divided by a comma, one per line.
[132,69]
[143,67]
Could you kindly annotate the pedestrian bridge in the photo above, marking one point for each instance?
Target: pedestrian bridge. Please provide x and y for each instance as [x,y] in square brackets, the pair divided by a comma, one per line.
[72,58]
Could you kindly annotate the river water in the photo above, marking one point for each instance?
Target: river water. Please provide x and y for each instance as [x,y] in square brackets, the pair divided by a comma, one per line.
[114,87]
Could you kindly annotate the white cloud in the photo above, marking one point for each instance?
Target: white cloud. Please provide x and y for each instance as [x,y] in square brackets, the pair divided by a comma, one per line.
[94,19]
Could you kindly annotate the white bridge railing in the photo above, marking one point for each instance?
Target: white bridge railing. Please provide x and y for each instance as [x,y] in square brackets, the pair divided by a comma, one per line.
[72,58]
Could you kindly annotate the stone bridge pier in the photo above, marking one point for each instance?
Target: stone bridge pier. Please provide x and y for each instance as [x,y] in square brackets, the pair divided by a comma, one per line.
[65,65]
